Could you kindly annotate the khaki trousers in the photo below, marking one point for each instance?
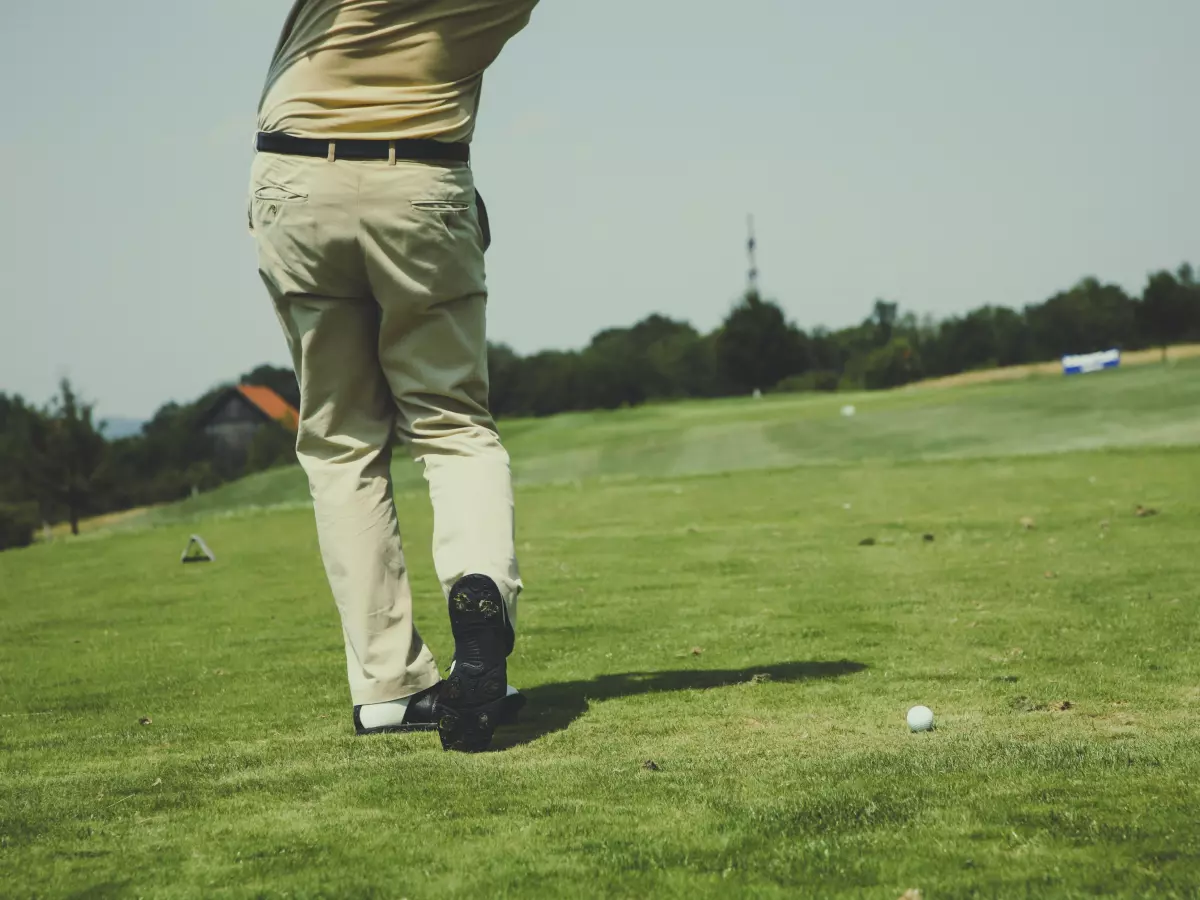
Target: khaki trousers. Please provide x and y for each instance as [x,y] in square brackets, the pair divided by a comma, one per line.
[376,272]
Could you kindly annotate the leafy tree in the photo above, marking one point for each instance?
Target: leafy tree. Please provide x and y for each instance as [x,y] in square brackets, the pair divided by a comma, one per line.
[684,364]
[15,424]
[1089,317]
[655,359]
[825,351]
[883,319]
[504,370]
[989,336]
[18,523]
[1170,308]
[60,453]
[895,363]
[549,382]
[757,347]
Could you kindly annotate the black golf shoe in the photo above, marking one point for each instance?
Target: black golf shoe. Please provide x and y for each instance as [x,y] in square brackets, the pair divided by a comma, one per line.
[419,716]
[422,713]
[472,700]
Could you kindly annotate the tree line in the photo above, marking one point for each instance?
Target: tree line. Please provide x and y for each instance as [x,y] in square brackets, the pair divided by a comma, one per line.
[757,348]
[56,464]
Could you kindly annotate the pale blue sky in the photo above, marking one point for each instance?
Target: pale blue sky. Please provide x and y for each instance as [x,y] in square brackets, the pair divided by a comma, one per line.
[943,153]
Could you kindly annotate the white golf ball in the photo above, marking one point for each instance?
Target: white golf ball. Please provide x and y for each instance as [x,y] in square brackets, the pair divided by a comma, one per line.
[920,718]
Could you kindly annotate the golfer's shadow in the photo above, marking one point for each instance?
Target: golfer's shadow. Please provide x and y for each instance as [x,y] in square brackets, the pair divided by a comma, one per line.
[552,707]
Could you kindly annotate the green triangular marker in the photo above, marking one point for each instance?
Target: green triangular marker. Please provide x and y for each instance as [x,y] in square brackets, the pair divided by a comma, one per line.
[197,551]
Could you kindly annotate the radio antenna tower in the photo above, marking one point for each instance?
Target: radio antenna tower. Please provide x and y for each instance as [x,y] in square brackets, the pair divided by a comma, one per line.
[752,254]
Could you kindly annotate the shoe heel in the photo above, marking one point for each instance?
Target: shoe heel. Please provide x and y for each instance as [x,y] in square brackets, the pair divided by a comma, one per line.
[470,730]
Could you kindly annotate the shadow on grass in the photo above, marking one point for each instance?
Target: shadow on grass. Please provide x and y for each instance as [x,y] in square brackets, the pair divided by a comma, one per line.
[552,707]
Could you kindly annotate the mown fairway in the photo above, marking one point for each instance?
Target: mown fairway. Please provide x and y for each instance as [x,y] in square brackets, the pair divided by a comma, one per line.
[698,597]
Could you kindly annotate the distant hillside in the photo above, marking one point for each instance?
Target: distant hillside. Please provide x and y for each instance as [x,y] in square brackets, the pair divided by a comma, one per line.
[1015,373]
[1145,405]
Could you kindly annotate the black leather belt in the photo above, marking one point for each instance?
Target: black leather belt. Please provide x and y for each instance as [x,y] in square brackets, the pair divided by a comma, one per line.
[412,149]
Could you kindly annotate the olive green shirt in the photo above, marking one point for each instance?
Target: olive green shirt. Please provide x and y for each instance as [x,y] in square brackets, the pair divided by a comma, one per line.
[386,69]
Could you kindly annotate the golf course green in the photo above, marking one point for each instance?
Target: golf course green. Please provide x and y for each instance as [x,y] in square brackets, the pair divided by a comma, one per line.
[730,607]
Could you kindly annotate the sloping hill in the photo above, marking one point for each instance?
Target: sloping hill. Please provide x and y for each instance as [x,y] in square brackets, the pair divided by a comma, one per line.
[1148,405]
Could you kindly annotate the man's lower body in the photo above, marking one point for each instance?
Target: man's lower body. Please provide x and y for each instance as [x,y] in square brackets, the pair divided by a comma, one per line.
[376,272]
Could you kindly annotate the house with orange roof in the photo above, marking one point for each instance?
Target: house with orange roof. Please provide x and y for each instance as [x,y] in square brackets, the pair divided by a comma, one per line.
[237,417]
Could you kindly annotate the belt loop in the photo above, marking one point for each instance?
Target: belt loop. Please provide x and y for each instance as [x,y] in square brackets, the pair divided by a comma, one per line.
[391,153]
[332,151]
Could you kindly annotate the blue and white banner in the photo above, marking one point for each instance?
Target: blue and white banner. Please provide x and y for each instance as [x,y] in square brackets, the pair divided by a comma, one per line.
[1091,362]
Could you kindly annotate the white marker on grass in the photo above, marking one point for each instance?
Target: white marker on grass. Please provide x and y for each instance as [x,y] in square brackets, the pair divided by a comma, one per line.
[920,718]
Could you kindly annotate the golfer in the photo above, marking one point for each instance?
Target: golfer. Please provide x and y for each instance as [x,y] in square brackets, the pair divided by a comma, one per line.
[370,239]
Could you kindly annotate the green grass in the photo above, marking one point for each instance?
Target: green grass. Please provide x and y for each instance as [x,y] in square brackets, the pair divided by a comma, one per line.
[1061,662]
[1131,408]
